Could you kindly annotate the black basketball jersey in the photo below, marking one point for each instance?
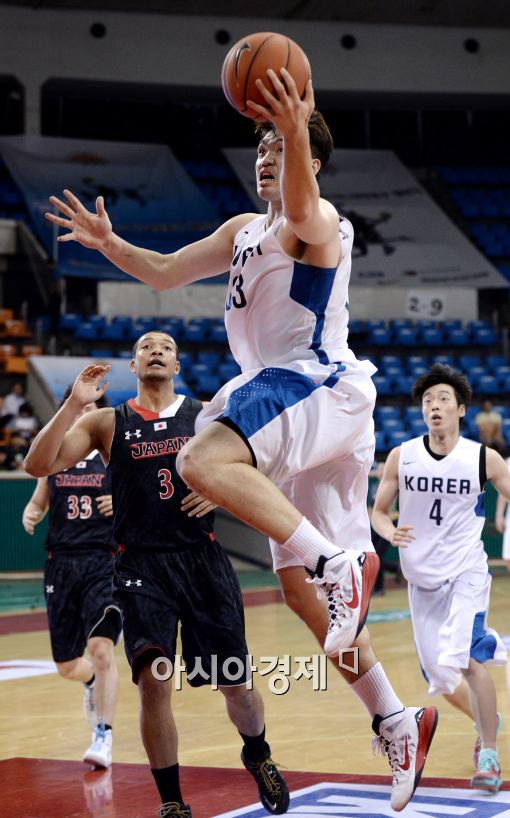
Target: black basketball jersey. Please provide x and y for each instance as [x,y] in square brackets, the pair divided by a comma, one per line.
[74,521]
[147,490]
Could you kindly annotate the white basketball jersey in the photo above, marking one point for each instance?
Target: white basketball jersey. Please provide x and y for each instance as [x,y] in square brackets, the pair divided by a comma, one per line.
[444,502]
[282,313]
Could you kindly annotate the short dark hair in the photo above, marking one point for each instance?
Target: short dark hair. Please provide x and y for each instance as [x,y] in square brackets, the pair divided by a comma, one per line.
[161,332]
[100,402]
[321,141]
[441,373]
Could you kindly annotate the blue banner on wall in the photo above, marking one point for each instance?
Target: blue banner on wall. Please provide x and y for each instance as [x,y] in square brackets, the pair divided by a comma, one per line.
[149,197]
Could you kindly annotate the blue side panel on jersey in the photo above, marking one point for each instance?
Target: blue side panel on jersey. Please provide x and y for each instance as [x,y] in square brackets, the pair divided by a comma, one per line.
[483,644]
[480,505]
[259,401]
[311,287]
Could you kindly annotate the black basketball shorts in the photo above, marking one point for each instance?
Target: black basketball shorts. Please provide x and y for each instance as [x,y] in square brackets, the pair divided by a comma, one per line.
[197,588]
[79,601]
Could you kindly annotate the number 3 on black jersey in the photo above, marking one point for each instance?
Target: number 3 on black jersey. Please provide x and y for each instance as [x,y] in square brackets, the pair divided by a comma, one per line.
[165,476]
[435,511]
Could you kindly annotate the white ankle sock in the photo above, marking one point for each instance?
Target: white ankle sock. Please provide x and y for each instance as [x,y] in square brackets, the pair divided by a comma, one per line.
[376,693]
[309,544]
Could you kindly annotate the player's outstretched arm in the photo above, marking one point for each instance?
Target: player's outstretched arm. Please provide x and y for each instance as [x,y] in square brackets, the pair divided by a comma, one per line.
[37,506]
[60,444]
[205,258]
[385,497]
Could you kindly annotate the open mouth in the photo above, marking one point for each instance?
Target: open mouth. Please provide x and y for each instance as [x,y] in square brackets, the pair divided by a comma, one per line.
[157,364]
[266,177]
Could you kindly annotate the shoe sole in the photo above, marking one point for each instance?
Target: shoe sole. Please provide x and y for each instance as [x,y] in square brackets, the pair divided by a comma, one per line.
[369,575]
[488,784]
[96,761]
[426,729]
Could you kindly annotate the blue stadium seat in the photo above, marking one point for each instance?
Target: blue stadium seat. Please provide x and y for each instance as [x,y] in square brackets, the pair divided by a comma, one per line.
[87,331]
[383,411]
[172,326]
[218,334]
[496,361]
[412,413]
[383,385]
[196,330]
[380,441]
[447,360]
[489,385]
[417,427]
[485,336]
[209,357]
[396,438]
[186,359]
[125,353]
[379,336]
[116,331]
[417,360]
[207,383]
[458,337]
[69,320]
[391,360]
[101,353]
[406,336]
[228,371]
[432,336]
[390,425]
[404,384]
[467,361]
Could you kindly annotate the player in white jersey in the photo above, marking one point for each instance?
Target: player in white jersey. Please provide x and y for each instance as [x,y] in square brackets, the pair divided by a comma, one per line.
[503,523]
[439,479]
[301,411]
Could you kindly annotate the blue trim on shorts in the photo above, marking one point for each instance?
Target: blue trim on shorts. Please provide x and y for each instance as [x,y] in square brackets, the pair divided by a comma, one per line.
[259,401]
[483,644]
[311,287]
[480,505]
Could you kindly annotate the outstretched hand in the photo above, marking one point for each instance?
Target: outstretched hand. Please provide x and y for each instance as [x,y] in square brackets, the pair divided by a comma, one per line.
[87,388]
[90,229]
[284,107]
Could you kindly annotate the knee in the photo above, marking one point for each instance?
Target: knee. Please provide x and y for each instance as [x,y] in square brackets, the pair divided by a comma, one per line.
[191,466]
[239,695]
[67,669]
[101,654]
[152,690]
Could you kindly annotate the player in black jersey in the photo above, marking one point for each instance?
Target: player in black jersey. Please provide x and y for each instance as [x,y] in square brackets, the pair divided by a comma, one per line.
[169,568]
[78,586]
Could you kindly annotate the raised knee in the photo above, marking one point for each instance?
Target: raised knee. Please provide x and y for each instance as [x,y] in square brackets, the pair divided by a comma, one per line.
[190,466]
[66,669]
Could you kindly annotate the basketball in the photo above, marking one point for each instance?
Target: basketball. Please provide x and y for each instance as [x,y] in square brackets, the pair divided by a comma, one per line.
[249,60]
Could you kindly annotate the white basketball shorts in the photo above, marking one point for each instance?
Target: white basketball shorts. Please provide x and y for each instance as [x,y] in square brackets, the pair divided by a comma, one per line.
[314,440]
[450,626]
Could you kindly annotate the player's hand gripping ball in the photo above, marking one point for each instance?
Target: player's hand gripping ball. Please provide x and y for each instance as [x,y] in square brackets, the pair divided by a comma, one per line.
[249,60]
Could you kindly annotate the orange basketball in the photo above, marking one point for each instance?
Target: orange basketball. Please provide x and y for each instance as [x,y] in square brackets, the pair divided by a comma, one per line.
[249,59]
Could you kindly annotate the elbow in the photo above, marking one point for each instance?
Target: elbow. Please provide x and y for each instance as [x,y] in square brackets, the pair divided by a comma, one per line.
[32,468]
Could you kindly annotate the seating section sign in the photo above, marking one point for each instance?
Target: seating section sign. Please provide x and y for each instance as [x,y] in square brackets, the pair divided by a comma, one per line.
[401,236]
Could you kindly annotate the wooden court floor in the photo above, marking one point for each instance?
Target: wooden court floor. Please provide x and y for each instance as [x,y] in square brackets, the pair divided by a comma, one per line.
[321,731]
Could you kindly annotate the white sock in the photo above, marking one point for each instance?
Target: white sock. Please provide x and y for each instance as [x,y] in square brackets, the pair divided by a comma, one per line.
[376,693]
[309,544]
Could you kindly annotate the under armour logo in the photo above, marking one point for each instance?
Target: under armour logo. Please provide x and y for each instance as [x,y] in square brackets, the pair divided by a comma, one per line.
[50,589]
[130,582]
[129,435]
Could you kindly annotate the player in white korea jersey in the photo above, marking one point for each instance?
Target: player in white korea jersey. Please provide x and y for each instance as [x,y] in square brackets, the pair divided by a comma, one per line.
[439,479]
[287,445]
